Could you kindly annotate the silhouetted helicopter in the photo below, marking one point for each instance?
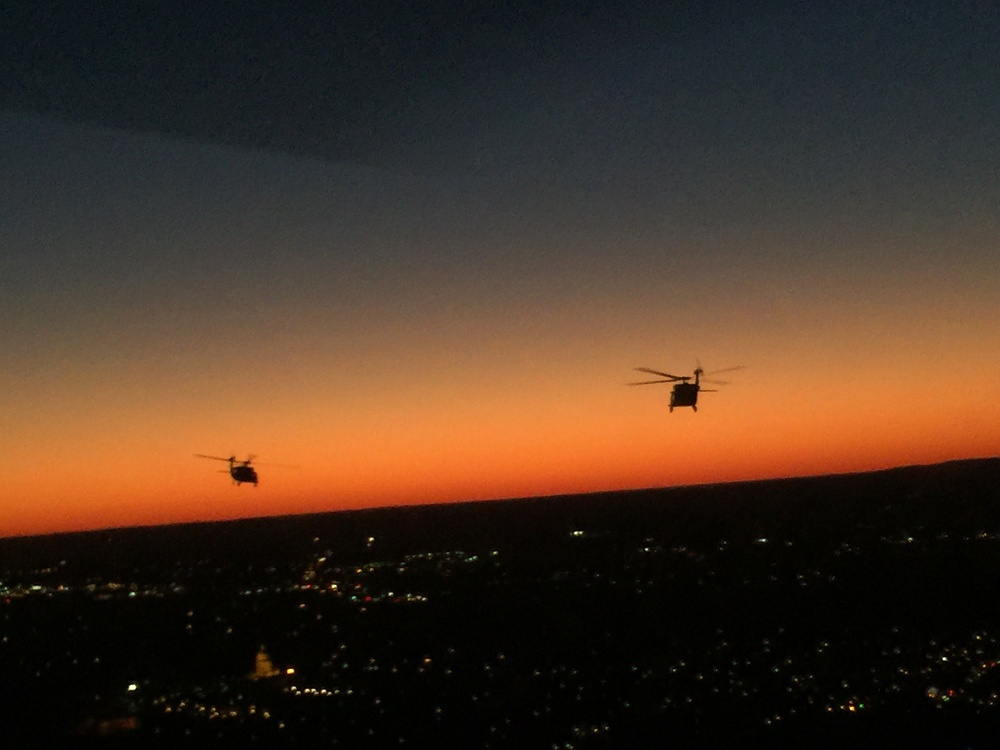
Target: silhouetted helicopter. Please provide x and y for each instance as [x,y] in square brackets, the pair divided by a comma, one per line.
[685,393]
[240,472]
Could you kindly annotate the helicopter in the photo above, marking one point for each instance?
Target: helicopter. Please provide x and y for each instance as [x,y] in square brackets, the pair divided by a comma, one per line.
[685,393]
[240,471]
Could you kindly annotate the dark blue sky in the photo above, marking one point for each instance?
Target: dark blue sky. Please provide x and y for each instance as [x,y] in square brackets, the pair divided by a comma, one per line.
[572,90]
[618,121]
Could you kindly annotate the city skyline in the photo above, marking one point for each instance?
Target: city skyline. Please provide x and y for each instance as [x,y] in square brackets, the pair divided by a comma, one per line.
[446,304]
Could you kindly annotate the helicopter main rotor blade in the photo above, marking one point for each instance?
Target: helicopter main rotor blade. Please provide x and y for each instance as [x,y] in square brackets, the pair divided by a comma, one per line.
[661,374]
[728,369]
[653,382]
[714,382]
[707,390]
[216,458]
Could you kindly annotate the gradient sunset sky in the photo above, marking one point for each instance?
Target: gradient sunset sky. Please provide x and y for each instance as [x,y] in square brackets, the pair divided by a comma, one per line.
[417,254]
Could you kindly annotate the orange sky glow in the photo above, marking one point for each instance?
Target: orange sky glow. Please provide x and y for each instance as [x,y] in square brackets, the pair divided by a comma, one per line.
[496,371]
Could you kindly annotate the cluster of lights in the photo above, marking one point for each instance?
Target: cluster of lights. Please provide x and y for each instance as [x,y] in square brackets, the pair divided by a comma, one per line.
[318,692]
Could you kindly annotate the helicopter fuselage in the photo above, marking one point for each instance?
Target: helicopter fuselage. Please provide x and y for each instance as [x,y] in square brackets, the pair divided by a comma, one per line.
[685,394]
[243,473]
[240,471]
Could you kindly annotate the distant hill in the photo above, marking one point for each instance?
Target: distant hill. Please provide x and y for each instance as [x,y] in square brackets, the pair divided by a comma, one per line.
[953,497]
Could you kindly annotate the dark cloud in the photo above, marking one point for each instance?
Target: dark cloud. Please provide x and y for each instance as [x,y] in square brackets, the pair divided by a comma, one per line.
[603,103]
[367,82]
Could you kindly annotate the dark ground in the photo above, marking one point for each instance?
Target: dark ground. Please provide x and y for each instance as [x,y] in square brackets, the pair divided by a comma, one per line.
[819,612]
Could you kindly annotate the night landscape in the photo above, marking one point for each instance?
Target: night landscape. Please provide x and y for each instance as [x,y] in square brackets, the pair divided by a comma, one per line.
[818,612]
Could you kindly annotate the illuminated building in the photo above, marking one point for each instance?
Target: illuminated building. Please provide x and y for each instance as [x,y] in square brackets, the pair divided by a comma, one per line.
[263,668]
